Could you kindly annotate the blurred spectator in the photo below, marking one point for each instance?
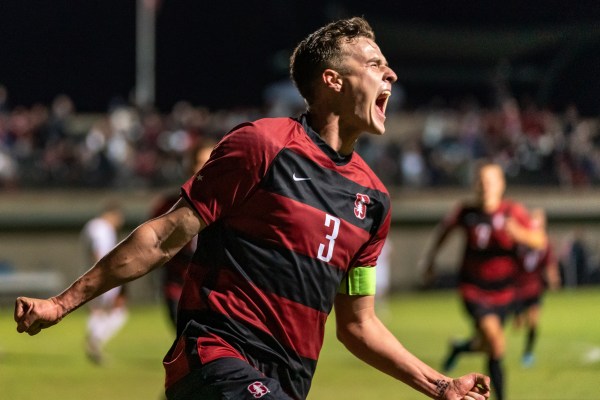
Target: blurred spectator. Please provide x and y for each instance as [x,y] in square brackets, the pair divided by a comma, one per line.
[62,109]
[575,260]
[413,165]
[98,168]
[8,163]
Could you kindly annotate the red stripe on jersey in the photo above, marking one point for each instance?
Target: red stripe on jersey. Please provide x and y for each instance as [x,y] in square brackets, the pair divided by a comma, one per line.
[212,347]
[297,327]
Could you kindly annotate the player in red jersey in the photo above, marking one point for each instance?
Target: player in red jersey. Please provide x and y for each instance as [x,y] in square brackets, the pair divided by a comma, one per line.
[539,269]
[493,227]
[290,222]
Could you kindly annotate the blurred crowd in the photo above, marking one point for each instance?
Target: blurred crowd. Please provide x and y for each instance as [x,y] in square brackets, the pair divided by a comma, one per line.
[535,146]
[54,146]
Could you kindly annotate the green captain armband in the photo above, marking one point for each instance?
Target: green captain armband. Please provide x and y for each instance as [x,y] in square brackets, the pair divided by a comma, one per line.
[359,281]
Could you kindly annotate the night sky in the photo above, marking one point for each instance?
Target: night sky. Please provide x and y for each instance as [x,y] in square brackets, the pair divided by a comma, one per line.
[213,53]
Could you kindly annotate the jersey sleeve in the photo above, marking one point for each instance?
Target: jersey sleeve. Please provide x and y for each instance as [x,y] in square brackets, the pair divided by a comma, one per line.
[237,164]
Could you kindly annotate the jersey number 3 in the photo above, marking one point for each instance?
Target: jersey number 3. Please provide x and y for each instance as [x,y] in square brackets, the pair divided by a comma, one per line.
[326,250]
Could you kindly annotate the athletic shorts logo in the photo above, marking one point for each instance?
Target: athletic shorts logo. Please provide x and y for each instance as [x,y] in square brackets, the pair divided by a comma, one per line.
[258,389]
[360,205]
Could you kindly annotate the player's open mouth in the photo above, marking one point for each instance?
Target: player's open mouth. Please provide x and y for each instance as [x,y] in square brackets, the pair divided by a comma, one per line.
[382,101]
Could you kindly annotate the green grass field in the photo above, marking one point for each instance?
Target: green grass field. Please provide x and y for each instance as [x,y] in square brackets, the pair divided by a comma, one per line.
[52,365]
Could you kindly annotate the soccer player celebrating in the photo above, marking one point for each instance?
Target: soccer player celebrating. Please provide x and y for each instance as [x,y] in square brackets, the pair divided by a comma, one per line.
[493,227]
[290,222]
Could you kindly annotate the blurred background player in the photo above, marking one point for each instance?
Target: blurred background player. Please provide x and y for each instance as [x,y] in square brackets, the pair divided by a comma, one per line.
[539,268]
[173,272]
[108,312]
[493,227]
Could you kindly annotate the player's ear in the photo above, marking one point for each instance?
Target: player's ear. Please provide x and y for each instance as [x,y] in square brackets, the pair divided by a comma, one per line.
[332,79]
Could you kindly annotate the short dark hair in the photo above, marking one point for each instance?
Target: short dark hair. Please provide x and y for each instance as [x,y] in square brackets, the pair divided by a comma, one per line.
[322,49]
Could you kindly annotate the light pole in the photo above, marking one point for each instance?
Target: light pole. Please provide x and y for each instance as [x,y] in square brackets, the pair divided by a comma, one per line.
[145,52]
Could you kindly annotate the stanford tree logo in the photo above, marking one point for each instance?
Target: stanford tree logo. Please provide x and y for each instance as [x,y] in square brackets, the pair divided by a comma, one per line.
[360,205]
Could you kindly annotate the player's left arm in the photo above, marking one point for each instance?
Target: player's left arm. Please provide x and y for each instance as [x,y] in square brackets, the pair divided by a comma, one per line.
[363,334]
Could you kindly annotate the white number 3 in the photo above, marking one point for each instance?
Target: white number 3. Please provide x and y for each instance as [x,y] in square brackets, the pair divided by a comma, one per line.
[331,237]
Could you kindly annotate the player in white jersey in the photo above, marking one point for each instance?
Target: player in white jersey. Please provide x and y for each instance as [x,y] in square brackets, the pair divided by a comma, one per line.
[108,312]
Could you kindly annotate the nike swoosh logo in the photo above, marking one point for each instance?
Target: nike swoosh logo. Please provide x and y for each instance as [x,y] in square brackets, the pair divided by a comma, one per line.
[298,179]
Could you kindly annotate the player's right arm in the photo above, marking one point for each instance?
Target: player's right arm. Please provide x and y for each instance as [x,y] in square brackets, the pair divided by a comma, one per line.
[149,246]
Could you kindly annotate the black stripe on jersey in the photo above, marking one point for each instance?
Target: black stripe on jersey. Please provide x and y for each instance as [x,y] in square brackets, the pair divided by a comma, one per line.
[300,179]
[291,370]
[275,270]
[505,283]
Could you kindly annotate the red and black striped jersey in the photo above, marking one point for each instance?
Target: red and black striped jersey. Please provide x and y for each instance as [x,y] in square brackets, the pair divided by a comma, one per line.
[489,261]
[287,219]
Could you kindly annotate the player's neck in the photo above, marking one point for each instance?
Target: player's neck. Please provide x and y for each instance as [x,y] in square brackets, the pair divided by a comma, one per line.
[491,206]
[328,126]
